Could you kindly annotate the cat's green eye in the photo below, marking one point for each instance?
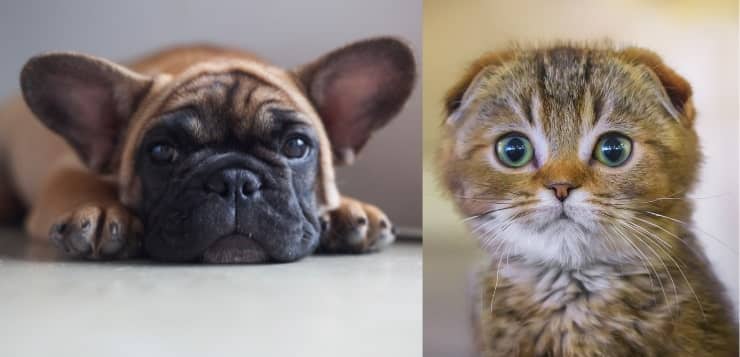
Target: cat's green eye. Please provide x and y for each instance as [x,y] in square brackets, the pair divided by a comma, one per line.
[613,149]
[514,150]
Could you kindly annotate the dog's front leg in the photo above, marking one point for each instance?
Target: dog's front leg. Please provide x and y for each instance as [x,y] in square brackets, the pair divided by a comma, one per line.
[355,227]
[81,214]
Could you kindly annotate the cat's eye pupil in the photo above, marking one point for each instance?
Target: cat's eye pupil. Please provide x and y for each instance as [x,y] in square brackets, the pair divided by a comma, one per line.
[515,149]
[612,149]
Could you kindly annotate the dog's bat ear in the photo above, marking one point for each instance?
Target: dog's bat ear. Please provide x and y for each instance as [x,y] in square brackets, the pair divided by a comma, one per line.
[357,89]
[673,87]
[86,100]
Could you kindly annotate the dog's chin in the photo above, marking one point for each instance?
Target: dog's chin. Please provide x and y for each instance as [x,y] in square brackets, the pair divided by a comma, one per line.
[235,249]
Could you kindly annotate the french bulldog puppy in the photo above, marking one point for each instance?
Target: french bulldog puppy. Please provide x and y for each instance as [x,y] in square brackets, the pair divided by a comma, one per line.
[199,153]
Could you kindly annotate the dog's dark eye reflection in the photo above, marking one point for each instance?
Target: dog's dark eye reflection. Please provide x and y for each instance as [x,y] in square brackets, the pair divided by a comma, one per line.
[295,148]
[163,153]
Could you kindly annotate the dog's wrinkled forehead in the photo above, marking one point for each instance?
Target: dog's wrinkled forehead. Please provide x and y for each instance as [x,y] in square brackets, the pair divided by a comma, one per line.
[232,103]
[238,98]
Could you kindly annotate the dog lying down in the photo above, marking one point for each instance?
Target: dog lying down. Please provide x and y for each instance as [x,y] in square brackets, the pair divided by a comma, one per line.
[199,153]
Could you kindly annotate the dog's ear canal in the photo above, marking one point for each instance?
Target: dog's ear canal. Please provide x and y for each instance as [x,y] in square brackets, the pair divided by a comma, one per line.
[357,89]
[86,100]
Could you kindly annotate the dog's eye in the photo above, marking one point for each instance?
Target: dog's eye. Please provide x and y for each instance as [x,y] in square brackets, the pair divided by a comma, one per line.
[296,147]
[163,153]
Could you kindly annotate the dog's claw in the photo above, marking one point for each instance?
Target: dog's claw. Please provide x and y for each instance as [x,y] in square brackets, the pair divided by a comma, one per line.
[78,234]
[113,227]
[355,227]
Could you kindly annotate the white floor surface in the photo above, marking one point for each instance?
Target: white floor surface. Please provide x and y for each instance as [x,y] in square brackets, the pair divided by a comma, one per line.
[367,305]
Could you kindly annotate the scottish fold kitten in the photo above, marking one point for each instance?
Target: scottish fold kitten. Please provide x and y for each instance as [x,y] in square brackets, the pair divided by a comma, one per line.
[571,164]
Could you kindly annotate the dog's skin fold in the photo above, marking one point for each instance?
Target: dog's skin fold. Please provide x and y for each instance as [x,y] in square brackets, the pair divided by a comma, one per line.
[198,153]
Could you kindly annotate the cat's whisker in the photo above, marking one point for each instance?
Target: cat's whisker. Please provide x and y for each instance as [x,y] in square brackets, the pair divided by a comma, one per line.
[630,201]
[687,225]
[503,252]
[691,288]
[654,237]
[478,226]
[691,227]
[608,237]
[668,198]
[500,245]
[642,256]
[661,241]
[649,236]
[690,198]
[604,224]
[719,195]
[632,198]
[490,237]
[488,212]
[660,260]
[644,232]
[498,272]
[645,262]
[485,199]
[491,234]
[664,230]
[678,266]
[621,223]
[677,263]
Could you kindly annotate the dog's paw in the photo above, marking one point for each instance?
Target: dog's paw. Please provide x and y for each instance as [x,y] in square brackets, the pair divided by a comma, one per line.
[355,227]
[98,232]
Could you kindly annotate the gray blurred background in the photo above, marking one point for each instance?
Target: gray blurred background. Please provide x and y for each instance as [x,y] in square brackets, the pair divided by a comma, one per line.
[289,33]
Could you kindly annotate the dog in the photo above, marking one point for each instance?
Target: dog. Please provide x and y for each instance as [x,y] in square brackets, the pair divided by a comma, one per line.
[199,152]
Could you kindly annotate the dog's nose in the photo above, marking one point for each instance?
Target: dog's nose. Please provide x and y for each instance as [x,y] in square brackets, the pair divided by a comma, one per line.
[561,189]
[239,182]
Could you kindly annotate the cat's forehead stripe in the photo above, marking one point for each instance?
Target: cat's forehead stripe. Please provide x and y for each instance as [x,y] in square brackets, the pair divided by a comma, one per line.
[561,91]
[565,73]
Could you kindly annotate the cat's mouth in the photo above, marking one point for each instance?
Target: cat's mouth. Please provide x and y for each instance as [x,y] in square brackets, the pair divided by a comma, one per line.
[560,219]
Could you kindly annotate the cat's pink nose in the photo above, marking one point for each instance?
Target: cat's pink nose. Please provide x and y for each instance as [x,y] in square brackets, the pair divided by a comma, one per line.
[561,189]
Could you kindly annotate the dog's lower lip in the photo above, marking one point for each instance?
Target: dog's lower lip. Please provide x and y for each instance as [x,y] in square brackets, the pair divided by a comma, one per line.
[235,249]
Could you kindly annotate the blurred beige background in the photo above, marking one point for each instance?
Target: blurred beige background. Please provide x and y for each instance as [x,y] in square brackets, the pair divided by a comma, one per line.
[697,38]
[287,32]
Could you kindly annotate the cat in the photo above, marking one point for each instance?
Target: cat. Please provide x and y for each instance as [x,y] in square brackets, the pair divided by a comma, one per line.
[571,163]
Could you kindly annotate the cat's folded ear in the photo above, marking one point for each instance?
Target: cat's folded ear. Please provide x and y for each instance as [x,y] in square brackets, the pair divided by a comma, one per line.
[87,100]
[475,73]
[675,88]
